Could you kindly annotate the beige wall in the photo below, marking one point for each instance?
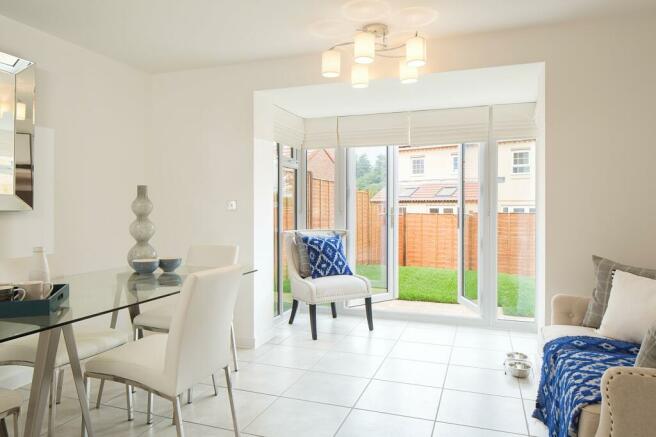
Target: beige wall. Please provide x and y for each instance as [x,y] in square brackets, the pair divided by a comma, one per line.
[96,108]
[599,95]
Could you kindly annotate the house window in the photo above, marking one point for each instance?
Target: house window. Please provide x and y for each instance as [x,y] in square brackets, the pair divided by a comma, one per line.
[521,164]
[434,210]
[447,210]
[454,163]
[518,210]
[417,165]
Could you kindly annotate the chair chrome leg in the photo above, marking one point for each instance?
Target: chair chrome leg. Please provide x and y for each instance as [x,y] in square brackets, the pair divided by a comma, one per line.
[190,395]
[232,400]
[149,412]
[216,391]
[16,432]
[100,393]
[60,385]
[233,344]
[177,416]
[82,389]
[53,404]
[128,396]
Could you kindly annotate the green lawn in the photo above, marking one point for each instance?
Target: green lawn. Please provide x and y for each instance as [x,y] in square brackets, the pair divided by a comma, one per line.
[425,284]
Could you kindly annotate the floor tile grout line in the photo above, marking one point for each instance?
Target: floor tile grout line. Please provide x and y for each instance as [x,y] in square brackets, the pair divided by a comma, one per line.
[369,382]
[446,374]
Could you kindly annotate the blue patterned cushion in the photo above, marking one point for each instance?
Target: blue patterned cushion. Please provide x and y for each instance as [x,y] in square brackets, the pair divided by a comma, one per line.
[326,255]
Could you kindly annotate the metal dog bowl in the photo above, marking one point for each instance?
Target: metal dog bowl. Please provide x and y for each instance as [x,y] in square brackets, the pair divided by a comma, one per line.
[516,356]
[518,368]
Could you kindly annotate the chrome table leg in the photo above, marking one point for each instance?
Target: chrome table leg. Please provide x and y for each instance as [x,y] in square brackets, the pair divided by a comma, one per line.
[44,367]
[78,378]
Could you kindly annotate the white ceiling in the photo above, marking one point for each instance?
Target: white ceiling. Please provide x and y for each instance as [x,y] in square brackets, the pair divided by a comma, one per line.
[456,89]
[167,35]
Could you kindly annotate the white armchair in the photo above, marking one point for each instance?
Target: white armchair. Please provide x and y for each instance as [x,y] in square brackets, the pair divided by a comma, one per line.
[329,289]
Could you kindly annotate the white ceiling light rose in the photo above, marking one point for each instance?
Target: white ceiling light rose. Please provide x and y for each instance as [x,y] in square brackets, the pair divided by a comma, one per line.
[331,63]
[407,74]
[366,10]
[359,76]
[415,52]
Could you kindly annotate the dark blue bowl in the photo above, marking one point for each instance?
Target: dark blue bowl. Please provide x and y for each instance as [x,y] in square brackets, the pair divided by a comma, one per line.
[169,265]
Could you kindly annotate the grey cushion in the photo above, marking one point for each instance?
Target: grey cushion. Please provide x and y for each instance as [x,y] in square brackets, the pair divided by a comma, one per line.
[603,269]
[647,354]
[304,268]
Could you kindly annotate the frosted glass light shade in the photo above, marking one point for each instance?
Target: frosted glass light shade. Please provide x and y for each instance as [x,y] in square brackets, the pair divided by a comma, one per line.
[21,110]
[407,74]
[364,49]
[415,52]
[330,63]
[359,76]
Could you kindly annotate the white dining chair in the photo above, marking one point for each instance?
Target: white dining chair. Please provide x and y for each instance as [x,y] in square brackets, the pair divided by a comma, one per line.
[196,346]
[90,342]
[158,318]
[10,402]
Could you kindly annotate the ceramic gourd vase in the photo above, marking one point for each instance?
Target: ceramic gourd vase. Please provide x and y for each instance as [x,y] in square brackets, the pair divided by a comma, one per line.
[142,229]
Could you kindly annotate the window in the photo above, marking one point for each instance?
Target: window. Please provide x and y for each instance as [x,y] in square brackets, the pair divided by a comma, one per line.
[447,210]
[519,210]
[417,165]
[320,189]
[521,163]
[434,210]
[454,163]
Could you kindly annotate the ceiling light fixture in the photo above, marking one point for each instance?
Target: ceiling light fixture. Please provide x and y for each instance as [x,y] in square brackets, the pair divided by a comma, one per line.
[407,74]
[415,52]
[369,42]
[330,63]
[359,76]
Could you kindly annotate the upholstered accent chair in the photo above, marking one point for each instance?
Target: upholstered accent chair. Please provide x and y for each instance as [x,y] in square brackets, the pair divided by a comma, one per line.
[628,393]
[329,289]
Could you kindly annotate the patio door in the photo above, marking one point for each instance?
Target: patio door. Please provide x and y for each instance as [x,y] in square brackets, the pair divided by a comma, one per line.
[468,224]
[371,218]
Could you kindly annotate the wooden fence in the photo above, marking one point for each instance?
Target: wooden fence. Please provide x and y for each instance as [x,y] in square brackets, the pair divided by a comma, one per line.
[427,240]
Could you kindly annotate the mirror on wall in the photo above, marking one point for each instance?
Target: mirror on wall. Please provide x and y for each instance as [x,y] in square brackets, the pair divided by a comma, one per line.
[17,88]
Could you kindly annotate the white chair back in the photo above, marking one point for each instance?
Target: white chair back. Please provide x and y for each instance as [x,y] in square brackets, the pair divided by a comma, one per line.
[212,255]
[199,336]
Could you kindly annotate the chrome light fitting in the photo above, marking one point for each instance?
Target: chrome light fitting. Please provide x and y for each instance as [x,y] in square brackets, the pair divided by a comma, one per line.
[369,42]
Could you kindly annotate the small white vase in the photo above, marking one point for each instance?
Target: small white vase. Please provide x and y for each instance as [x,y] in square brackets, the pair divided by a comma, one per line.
[39,270]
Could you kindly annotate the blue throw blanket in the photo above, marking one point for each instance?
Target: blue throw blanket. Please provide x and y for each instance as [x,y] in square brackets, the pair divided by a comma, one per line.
[571,378]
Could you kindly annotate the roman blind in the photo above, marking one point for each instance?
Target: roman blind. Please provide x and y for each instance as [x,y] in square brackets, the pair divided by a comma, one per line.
[373,130]
[288,128]
[514,121]
[447,126]
[320,133]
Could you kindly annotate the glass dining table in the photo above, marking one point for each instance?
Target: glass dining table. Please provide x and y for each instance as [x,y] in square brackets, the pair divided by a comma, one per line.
[91,295]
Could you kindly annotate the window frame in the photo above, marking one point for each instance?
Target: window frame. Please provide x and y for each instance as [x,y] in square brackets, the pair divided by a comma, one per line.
[516,166]
[418,158]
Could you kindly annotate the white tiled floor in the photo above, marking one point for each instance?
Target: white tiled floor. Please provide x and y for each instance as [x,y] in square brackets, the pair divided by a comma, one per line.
[404,379]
